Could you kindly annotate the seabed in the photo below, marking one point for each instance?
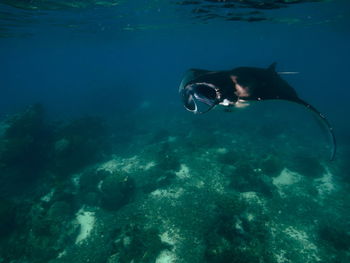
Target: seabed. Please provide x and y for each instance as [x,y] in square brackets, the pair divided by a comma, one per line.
[170,188]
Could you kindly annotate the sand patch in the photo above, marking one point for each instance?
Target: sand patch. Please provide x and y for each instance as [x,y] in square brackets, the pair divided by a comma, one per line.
[184,172]
[86,220]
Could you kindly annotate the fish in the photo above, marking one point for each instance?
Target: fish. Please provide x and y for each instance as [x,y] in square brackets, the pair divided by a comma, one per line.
[202,90]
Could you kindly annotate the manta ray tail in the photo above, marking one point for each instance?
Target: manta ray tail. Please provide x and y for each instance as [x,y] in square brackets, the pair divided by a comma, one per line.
[325,122]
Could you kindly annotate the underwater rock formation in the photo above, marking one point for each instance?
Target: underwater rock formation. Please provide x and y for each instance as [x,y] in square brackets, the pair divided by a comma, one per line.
[7,217]
[236,236]
[136,244]
[25,148]
[116,191]
[174,202]
[307,166]
[89,182]
[79,143]
[156,179]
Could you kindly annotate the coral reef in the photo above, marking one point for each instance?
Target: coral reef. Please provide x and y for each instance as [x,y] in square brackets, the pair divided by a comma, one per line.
[201,198]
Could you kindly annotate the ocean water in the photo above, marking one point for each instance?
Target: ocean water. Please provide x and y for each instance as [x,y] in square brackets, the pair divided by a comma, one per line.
[100,161]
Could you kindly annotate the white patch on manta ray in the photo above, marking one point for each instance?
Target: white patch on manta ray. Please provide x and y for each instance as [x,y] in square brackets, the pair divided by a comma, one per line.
[226,102]
[241,104]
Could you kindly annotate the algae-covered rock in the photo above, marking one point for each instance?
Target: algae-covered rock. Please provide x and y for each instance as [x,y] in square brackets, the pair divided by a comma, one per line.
[236,235]
[307,166]
[156,178]
[246,178]
[167,159]
[335,235]
[7,217]
[49,222]
[271,166]
[79,143]
[116,191]
[26,145]
[89,182]
[229,157]
[49,230]
[90,179]
[135,244]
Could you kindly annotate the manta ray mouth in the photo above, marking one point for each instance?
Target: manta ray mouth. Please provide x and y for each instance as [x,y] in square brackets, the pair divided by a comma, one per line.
[199,97]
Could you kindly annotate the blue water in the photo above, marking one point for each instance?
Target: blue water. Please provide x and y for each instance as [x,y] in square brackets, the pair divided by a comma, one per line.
[59,65]
[122,63]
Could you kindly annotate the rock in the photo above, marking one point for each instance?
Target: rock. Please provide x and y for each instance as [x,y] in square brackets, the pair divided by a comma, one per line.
[116,191]
[307,166]
[26,146]
[7,217]
[135,244]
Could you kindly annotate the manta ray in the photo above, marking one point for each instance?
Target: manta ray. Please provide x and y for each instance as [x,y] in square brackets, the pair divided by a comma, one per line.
[202,90]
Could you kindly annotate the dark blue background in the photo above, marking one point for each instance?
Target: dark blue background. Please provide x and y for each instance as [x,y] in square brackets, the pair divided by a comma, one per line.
[106,70]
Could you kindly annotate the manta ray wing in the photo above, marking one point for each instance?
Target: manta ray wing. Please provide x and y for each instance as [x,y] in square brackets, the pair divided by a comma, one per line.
[191,75]
[266,84]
